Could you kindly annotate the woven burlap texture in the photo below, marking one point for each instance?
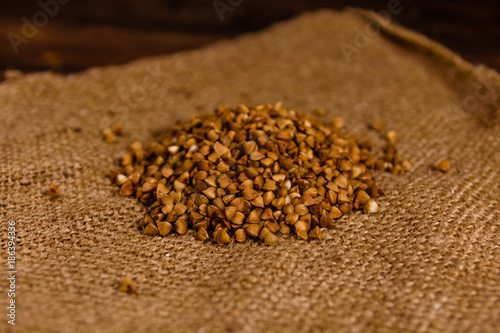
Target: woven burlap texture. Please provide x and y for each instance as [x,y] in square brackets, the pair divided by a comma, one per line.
[428,261]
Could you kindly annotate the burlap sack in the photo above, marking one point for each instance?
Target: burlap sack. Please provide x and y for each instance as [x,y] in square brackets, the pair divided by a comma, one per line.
[429,261]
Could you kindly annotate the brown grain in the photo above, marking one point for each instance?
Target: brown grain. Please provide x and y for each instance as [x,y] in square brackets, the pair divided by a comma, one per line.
[253,172]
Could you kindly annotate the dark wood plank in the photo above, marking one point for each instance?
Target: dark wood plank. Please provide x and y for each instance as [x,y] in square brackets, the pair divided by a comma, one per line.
[99,33]
[69,48]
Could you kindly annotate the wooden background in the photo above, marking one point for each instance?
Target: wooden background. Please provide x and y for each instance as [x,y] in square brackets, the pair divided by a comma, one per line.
[97,33]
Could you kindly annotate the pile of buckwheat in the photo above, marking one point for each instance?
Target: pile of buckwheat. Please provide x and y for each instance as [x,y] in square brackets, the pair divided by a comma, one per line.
[253,172]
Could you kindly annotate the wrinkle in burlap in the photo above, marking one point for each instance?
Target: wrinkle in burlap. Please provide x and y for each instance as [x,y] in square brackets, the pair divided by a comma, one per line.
[428,261]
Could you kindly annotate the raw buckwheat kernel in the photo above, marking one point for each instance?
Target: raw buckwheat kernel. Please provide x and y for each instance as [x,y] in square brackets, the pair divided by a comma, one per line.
[253,172]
